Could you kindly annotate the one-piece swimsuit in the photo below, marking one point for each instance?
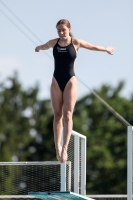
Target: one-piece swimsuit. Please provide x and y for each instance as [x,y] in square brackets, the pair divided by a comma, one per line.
[64,58]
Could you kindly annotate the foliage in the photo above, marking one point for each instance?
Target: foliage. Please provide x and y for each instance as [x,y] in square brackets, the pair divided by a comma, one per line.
[106,140]
[26,132]
[25,129]
[25,124]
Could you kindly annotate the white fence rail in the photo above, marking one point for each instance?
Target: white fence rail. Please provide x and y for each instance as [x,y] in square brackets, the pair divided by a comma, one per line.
[71,176]
[129,162]
[79,163]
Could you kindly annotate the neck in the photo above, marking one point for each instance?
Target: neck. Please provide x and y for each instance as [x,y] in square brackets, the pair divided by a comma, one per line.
[65,39]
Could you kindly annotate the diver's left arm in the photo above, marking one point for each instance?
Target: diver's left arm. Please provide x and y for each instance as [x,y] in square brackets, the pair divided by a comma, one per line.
[86,45]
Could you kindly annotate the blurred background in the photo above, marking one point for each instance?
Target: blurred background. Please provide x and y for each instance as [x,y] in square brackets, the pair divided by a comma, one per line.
[26,117]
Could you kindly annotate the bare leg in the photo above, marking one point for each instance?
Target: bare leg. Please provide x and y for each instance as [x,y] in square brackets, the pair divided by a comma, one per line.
[69,100]
[57,104]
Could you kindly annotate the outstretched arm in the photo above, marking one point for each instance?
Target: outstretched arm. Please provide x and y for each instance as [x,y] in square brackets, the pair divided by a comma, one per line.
[45,46]
[84,44]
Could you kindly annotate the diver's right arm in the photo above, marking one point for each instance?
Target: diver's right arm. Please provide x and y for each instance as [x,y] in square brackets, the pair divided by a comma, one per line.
[46,46]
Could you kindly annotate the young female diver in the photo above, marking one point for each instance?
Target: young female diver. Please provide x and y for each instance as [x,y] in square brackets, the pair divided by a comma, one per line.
[64,83]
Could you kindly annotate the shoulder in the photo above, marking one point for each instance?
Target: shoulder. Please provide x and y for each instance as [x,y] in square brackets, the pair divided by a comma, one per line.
[52,42]
[77,42]
[83,44]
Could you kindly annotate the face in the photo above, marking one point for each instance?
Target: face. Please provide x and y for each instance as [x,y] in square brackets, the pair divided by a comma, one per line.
[63,31]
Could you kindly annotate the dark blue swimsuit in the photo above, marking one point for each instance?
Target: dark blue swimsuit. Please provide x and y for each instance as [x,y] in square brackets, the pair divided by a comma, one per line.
[64,58]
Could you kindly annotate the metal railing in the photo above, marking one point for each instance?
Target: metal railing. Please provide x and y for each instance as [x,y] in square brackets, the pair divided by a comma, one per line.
[77,172]
[78,162]
[129,161]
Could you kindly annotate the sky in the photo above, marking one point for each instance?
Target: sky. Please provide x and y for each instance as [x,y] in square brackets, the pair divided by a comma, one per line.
[31,23]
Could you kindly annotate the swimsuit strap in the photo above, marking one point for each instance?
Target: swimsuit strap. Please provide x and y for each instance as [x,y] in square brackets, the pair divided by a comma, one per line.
[57,41]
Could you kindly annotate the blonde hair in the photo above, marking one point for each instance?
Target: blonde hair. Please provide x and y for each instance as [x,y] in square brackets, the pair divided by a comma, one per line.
[66,23]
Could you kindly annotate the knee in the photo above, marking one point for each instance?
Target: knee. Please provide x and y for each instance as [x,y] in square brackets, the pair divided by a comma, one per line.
[67,116]
[58,116]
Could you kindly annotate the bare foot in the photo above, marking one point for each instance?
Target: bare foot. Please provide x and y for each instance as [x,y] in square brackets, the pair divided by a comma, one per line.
[58,153]
[64,155]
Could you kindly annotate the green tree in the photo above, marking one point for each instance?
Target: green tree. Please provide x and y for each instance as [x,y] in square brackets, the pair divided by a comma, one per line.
[25,129]
[106,140]
[26,133]
[25,124]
